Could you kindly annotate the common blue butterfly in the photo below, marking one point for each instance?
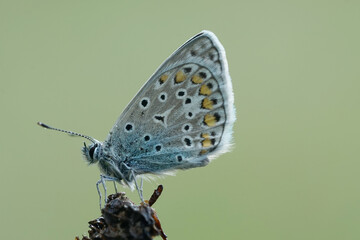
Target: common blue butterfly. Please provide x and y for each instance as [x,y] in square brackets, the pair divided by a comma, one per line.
[181,118]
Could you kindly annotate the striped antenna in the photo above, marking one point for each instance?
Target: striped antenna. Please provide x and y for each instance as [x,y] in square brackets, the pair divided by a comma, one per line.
[65,131]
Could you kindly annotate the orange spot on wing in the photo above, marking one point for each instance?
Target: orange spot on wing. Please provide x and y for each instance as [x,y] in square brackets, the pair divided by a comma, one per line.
[180,77]
[207,104]
[163,78]
[210,120]
[197,79]
[206,142]
[205,135]
[202,152]
[205,90]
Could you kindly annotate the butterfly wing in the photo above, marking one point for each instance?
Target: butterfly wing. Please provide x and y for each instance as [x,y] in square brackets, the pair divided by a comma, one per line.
[182,116]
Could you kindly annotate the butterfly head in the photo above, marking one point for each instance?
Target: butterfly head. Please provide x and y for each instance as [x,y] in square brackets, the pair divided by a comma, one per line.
[92,152]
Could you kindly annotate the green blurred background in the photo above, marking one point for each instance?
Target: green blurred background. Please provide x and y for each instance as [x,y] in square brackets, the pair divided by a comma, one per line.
[294,170]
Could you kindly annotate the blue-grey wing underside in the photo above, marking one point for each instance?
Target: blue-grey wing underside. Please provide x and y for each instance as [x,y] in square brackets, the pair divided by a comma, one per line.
[182,117]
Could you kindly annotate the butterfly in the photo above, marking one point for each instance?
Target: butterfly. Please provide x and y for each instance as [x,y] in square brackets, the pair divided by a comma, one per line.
[181,118]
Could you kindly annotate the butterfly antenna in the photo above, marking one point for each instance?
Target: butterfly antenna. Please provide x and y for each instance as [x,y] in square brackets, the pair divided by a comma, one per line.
[65,131]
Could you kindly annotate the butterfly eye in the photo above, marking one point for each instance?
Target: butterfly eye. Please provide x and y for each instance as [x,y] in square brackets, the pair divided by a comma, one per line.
[92,150]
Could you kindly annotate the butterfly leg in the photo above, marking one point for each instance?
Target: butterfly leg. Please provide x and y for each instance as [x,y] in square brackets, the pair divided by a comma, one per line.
[131,177]
[102,181]
[141,186]
[115,187]
[107,178]
[139,190]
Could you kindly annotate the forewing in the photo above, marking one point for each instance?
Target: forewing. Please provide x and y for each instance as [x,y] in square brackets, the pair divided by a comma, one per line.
[183,115]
